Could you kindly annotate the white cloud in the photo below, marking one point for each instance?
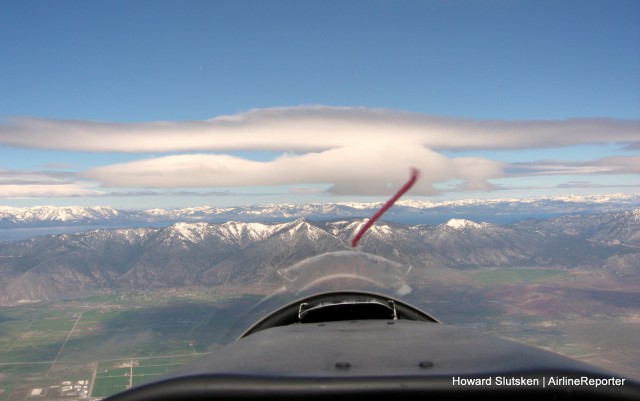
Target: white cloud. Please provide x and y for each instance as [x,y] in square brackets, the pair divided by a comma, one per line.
[354,151]
[33,184]
[591,185]
[605,165]
[44,191]
[364,170]
[313,128]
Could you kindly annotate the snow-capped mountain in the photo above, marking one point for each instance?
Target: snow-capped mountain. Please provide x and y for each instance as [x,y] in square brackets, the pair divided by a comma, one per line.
[58,215]
[462,224]
[197,253]
[405,211]
[612,228]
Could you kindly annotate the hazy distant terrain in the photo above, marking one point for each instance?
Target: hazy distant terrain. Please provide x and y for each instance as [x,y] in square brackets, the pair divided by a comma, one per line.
[21,223]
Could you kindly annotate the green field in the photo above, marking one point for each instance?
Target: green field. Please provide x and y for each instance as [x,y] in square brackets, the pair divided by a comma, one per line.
[105,386]
[47,344]
[149,370]
[29,334]
[171,360]
[516,275]
[6,390]
[111,377]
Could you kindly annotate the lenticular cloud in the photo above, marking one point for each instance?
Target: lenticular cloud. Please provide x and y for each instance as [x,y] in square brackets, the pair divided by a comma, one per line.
[312,128]
[355,151]
[366,170]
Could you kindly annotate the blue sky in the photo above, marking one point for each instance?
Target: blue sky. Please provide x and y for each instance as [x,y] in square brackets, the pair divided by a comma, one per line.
[172,104]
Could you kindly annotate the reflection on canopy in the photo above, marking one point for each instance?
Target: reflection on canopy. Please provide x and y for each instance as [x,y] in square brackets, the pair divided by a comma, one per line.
[345,270]
[334,271]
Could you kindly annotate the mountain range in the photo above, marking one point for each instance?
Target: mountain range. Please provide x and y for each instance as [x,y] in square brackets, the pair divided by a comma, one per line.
[405,211]
[183,254]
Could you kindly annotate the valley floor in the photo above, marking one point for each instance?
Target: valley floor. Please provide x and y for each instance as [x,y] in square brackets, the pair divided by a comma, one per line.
[95,346]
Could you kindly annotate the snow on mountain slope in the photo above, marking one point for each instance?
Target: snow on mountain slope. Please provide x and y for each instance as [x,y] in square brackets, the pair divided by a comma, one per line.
[187,254]
[459,224]
[406,210]
[56,214]
[243,232]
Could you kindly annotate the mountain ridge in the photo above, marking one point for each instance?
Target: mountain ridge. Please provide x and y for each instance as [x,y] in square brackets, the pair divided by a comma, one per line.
[404,210]
[233,253]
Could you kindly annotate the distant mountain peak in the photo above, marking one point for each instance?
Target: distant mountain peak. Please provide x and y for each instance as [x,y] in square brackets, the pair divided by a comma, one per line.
[459,224]
[193,232]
